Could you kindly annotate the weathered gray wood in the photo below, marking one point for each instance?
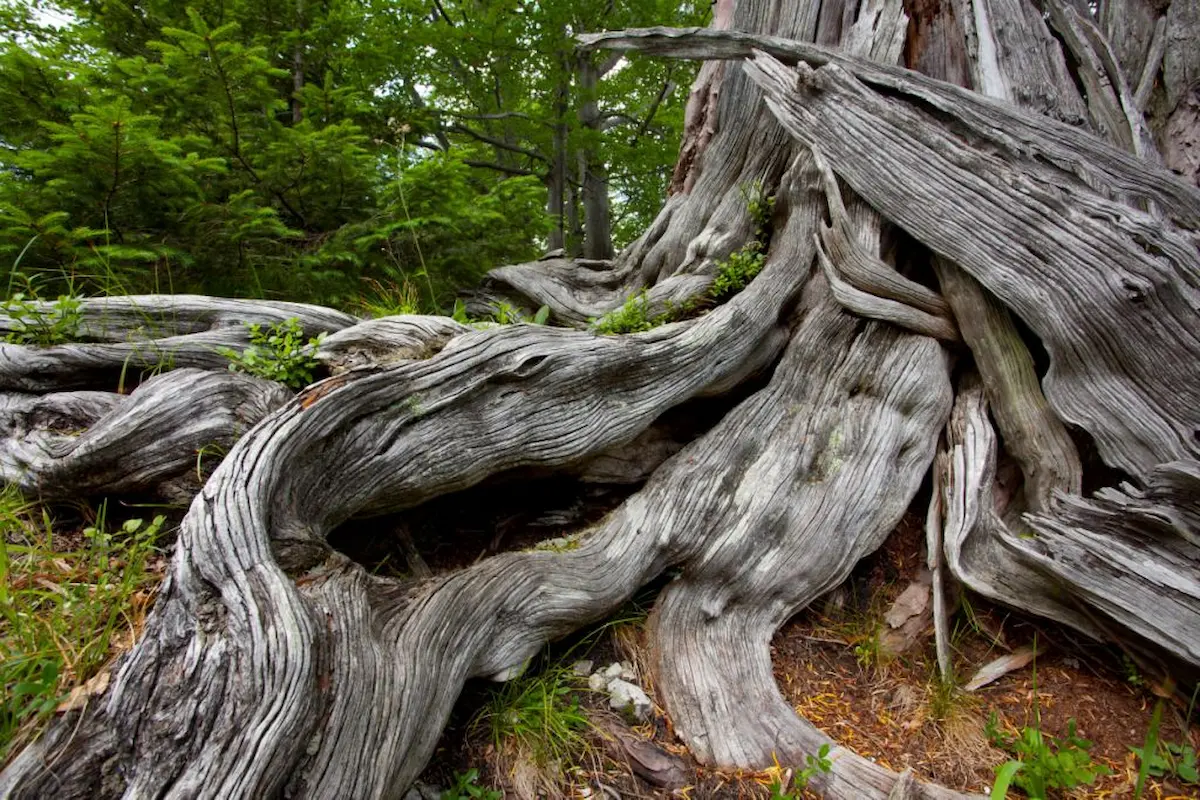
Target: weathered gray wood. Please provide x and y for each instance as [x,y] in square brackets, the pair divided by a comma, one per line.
[866,286]
[121,338]
[387,340]
[236,650]
[1132,554]
[1111,104]
[1015,58]
[935,561]
[155,316]
[1158,48]
[884,309]
[1032,433]
[76,444]
[980,547]
[1128,557]
[63,367]
[1130,26]
[853,411]
[1031,137]
[272,665]
[1119,322]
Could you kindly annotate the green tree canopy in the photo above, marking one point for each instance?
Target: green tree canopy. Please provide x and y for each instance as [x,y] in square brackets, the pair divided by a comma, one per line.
[298,149]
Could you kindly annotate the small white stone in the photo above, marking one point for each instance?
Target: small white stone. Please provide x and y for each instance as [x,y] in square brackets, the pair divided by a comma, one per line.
[612,671]
[598,683]
[629,699]
[582,668]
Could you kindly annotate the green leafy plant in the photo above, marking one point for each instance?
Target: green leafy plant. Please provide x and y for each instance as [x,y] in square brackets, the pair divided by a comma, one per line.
[1042,762]
[632,317]
[1133,676]
[735,272]
[466,787]
[1160,759]
[759,205]
[820,764]
[742,265]
[64,611]
[40,323]
[278,353]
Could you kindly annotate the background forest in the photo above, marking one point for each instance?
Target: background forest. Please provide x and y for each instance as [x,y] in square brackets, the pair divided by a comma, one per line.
[323,150]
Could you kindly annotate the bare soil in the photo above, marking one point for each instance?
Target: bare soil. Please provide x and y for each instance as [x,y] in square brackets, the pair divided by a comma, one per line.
[891,709]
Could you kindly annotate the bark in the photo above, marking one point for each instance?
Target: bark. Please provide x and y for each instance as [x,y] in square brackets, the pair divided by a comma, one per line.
[261,613]
[597,236]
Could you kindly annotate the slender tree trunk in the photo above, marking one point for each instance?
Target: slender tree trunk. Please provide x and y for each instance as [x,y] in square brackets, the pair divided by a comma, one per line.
[597,222]
[556,203]
[298,68]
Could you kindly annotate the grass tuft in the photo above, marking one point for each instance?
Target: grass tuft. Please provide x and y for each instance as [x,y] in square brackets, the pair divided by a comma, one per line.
[65,611]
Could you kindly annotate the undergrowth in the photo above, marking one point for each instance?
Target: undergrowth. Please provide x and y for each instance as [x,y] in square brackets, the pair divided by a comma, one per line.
[1042,762]
[42,323]
[632,317]
[1159,758]
[390,299]
[278,353]
[790,784]
[466,787]
[733,274]
[539,716]
[64,611]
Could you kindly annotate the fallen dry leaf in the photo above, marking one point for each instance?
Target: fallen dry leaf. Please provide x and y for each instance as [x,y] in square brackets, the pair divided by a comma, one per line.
[80,694]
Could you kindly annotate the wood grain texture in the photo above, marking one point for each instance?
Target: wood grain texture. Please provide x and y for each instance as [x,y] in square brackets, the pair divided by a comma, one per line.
[77,444]
[266,642]
[1031,137]
[1132,554]
[387,340]
[854,410]
[1112,292]
[128,337]
[980,546]
[1033,434]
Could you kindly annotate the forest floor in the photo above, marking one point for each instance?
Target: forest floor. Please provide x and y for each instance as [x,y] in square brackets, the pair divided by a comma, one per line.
[546,735]
[829,665]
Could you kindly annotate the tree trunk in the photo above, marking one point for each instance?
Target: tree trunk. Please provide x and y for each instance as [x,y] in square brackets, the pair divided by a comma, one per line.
[597,223]
[274,665]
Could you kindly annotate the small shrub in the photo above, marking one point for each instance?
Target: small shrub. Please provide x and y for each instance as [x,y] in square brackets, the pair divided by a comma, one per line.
[1042,762]
[43,324]
[735,272]
[759,206]
[279,353]
[466,787]
[819,764]
[632,317]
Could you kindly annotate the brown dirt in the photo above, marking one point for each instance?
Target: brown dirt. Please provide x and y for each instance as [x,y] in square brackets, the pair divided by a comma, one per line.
[891,710]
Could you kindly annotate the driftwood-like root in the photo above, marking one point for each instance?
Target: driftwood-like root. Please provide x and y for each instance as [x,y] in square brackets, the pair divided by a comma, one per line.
[77,444]
[1118,322]
[122,338]
[268,642]
[853,410]
[1032,433]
